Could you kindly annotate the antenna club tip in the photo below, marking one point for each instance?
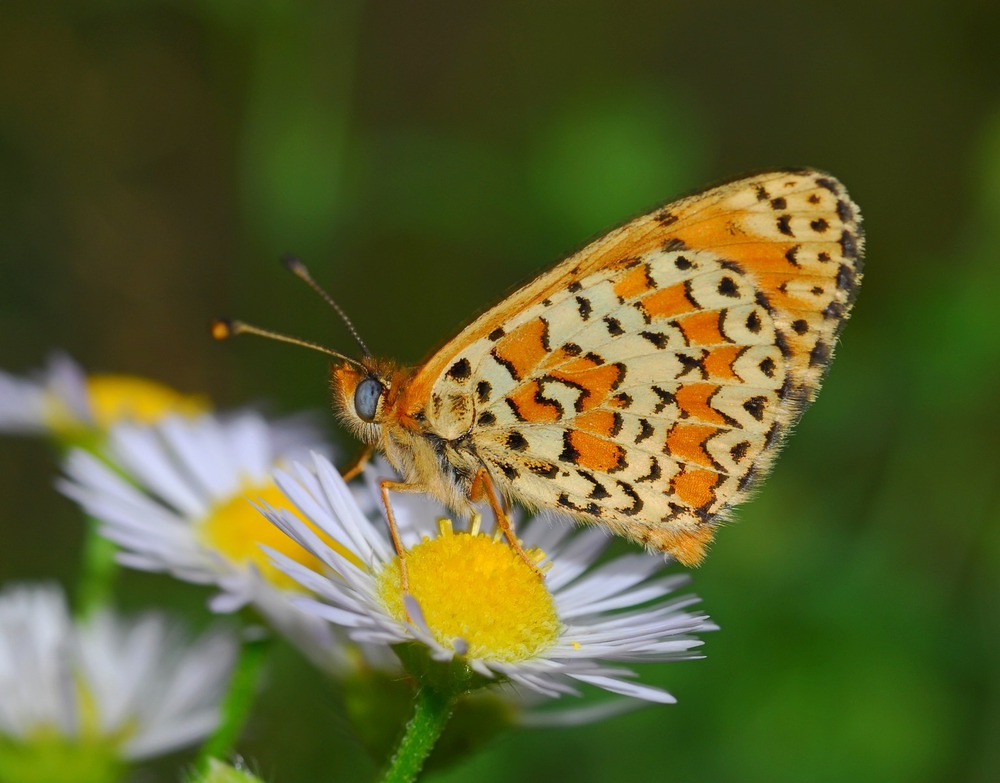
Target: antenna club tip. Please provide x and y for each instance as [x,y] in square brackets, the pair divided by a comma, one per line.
[292,263]
[223,328]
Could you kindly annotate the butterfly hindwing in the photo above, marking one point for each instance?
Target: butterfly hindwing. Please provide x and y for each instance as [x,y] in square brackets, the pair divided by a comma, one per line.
[647,381]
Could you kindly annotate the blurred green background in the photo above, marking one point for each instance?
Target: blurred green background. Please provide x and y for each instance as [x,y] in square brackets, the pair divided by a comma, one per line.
[156,157]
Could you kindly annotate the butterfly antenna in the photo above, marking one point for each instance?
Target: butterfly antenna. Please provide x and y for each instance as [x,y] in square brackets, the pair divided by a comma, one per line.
[225,328]
[294,265]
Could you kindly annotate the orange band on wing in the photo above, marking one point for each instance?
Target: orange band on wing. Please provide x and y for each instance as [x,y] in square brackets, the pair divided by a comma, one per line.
[524,347]
[634,282]
[686,442]
[693,399]
[719,362]
[596,383]
[594,453]
[694,486]
[667,302]
[532,407]
[599,422]
[702,328]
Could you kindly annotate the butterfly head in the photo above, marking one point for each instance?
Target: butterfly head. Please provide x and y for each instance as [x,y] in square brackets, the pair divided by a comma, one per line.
[364,394]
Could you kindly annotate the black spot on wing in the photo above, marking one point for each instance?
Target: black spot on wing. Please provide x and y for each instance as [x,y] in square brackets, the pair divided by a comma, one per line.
[544,469]
[516,441]
[658,339]
[460,370]
[692,364]
[755,406]
[782,342]
[833,310]
[820,355]
[666,398]
[829,184]
[844,211]
[848,245]
[739,451]
[654,472]
[637,503]
[847,280]
[598,490]
[509,471]
[727,287]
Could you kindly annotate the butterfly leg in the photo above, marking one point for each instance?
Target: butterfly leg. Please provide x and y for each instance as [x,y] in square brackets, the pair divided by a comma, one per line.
[398,486]
[482,485]
[355,468]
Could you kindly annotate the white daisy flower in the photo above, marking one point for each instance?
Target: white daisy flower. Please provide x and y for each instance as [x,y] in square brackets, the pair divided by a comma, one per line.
[472,597]
[63,401]
[175,497]
[100,692]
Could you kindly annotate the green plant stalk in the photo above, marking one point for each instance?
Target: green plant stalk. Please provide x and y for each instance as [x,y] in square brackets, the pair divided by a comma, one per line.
[98,571]
[235,707]
[431,712]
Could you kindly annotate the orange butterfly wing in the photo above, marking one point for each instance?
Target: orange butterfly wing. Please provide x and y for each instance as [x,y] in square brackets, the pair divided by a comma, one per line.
[647,381]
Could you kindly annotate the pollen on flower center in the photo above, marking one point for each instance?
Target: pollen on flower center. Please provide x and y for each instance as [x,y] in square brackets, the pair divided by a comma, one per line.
[476,589]
[236,530]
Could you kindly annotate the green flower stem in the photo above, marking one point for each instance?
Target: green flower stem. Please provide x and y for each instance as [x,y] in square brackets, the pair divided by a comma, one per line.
[235,708]
[98,570]
[430,715]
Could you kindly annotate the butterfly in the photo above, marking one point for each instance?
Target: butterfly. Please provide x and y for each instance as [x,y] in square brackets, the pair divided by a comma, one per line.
[645,383]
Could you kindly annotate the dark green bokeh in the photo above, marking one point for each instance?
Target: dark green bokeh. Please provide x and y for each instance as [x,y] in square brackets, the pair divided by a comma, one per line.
[156,158]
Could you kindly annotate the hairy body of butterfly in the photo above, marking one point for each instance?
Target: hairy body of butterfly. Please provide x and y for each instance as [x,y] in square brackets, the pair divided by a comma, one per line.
[646,382]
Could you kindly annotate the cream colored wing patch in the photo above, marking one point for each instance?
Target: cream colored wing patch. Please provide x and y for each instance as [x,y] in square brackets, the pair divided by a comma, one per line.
[647,381]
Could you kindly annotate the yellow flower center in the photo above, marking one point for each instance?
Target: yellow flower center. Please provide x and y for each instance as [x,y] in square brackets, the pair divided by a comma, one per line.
[476,589]
[115,398]
[236,530]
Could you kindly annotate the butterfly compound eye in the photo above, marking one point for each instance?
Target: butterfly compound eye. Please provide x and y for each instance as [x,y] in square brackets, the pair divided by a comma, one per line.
[366,397]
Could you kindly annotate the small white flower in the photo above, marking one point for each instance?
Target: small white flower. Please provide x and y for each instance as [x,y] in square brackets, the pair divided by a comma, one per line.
[472,596]
[130,688]
[63,401]
[176,497]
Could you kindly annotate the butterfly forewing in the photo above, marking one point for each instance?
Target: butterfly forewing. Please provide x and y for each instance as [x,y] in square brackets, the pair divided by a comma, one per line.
[647,381]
